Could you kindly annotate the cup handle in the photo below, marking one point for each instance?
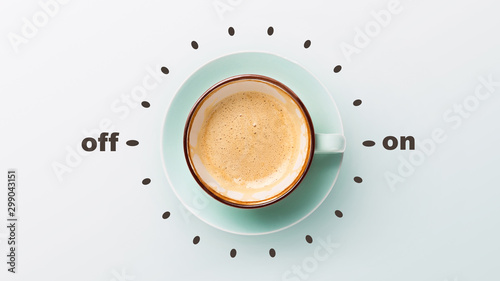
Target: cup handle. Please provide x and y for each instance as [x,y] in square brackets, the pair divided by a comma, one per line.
[329,143]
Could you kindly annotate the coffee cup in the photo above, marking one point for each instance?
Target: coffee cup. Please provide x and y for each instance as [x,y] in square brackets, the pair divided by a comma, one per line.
[249,141]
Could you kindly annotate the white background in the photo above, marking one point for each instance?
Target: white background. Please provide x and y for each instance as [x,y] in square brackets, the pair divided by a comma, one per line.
[98,222]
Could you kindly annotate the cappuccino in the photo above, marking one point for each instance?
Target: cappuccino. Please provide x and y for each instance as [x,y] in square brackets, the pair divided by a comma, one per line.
[250,143]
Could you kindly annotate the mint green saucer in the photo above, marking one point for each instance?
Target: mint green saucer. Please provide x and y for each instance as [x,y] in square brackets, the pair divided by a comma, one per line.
[308,195]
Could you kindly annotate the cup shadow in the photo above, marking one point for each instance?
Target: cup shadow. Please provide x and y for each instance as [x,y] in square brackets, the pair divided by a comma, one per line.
[297,203]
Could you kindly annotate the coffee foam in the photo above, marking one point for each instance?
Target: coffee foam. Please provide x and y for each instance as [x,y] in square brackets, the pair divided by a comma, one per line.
[250,143]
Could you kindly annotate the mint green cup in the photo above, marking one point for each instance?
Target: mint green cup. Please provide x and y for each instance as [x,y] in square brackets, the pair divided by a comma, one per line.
[311,143]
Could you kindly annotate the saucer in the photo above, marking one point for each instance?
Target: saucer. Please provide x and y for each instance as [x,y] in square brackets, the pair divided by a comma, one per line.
[305,198]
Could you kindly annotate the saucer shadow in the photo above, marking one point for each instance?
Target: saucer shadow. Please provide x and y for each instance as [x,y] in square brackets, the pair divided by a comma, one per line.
[296,204]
